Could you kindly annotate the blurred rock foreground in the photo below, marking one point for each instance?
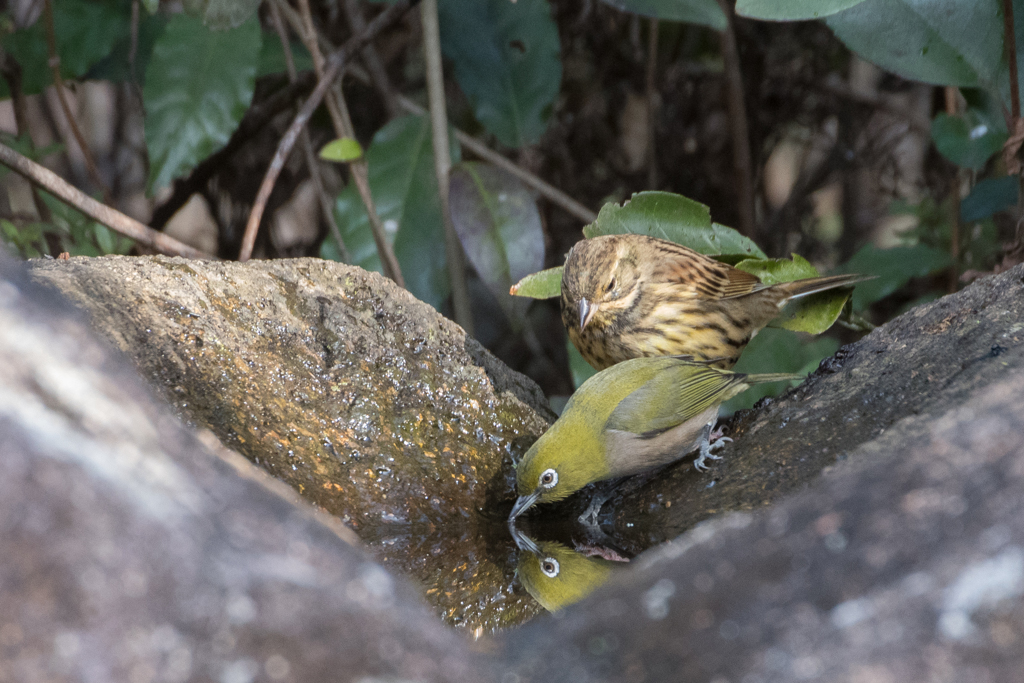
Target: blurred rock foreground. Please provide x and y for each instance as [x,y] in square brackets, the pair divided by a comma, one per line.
[132,550]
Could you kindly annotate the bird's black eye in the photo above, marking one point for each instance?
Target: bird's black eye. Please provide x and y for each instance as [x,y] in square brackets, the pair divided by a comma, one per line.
[611,285]
[548,478]
[549,566]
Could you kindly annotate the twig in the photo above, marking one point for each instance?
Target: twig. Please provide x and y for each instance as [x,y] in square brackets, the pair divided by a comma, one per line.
[652,104]
[1009,38]
[307,145]
[332,69]
[359,170]
[954,233]
[742,165]
[443,161]
[378,74]
[11,70]
[62,96]
[113,219]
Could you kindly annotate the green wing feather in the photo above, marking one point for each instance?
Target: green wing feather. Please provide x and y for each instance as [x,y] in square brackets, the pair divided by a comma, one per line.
[680,392]
[677,394]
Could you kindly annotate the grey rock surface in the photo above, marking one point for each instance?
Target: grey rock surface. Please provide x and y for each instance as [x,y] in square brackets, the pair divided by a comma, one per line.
[131,552]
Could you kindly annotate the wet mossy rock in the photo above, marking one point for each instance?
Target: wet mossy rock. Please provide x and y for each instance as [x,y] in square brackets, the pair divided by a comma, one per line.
[361,397]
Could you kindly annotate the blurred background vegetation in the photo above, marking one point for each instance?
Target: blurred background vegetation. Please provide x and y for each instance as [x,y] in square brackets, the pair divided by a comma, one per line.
[866,135]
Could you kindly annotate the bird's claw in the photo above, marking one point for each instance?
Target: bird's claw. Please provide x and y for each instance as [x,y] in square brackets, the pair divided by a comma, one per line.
[706,451]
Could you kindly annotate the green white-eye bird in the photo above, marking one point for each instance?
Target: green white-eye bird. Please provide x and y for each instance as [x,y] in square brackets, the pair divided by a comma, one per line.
[557,576]
[632,417]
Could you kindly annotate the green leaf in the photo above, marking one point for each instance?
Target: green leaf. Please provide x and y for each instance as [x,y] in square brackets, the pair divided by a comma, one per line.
[701,12]
[774,350]
[894,267]
[791,10]
[117,66]
[86,32]
[496,218]
[546,284]
[580,369]
[404,189]
[342,149]
[222,14]
[272,56]
[814,313]
[198,85]
[988,197]
[672,217]
[776,270]
[505,57]
[964,140]
[935,41]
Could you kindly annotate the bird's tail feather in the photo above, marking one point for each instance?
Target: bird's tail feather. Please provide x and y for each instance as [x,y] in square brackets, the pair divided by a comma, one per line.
[813,285]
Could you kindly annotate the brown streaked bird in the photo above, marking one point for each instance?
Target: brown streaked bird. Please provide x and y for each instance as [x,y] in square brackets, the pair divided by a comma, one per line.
[630,296]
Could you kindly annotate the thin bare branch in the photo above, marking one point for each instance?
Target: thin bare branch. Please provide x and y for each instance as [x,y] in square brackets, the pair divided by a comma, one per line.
[652,104]
[307,146]
[741,160]
[113,219]
[443,161]
[358,169]
[1010,40]
[332,69]
[375,67]
[62,96]
[11,71]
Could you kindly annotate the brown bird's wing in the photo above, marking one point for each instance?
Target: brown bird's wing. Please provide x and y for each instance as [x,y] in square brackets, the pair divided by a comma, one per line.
[701,276]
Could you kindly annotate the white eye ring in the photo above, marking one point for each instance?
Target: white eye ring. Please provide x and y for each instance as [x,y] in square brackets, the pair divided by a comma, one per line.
[548,478]
[549,566]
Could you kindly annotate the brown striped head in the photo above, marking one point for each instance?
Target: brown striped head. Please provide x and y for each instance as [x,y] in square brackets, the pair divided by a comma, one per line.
[600,281]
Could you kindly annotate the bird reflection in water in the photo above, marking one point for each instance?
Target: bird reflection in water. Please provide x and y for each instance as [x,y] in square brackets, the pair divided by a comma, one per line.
[556,575]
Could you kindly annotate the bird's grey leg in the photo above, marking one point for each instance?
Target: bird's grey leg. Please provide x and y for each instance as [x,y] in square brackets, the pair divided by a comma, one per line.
[706,447]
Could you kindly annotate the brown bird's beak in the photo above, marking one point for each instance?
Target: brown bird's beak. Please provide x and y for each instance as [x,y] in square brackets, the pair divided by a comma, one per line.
[587,311]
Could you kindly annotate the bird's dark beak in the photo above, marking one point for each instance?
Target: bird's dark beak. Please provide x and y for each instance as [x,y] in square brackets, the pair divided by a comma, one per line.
[587,311]
[523,504]
[524,542]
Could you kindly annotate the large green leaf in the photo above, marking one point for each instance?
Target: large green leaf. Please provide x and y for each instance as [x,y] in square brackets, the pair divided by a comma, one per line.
[964,140]
[814,313]
[198,85]
[945,42]
[117,65]
[774,350]
[672,217]
[701,12]
[404,189]
[791,10]
[496,218]
[222,14]
[86,32]
[894,267]
[505,59]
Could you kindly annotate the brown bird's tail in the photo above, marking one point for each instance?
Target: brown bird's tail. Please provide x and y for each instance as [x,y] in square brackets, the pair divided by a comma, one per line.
[813,285]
